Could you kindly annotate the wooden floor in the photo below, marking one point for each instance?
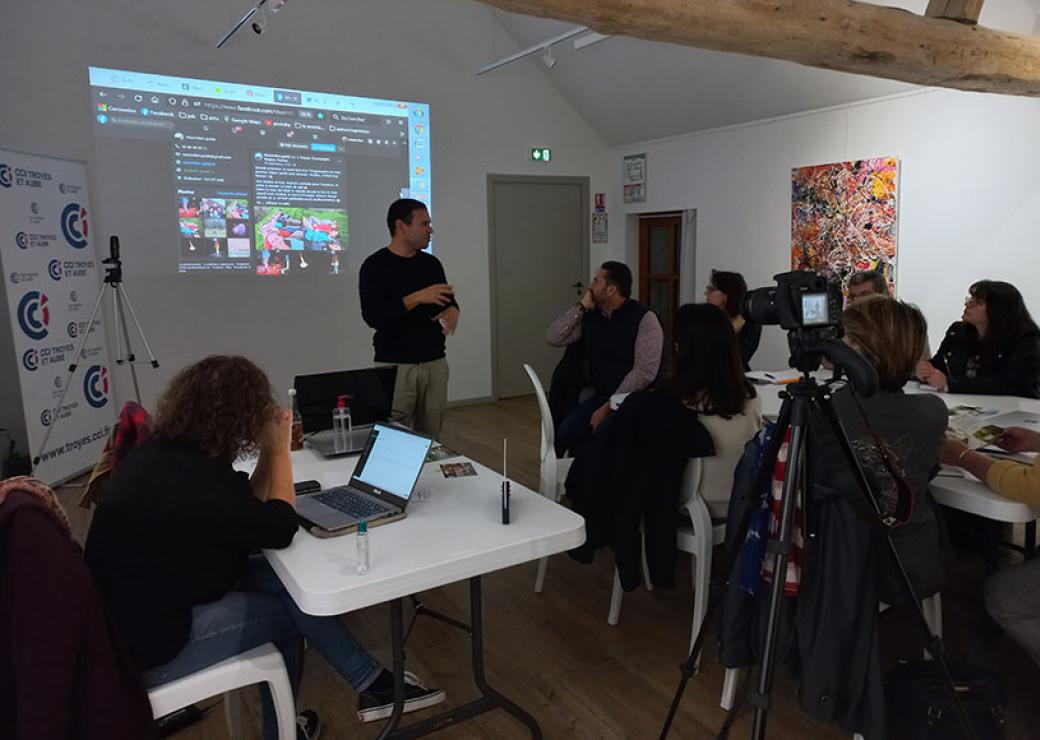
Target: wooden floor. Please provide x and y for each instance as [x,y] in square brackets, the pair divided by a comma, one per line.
[555,655]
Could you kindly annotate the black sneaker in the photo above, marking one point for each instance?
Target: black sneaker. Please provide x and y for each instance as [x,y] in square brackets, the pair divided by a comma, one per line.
[373,705]
[308,725]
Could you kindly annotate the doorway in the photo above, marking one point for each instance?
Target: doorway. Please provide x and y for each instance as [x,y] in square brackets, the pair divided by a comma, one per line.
[538,249]
[660,248]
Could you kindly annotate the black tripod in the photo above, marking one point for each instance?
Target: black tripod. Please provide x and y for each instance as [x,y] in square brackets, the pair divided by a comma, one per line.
[113,284]
[799,399]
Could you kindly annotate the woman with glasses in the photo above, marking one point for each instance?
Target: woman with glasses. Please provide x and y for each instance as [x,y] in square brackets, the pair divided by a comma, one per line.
[727,290]
[994,349]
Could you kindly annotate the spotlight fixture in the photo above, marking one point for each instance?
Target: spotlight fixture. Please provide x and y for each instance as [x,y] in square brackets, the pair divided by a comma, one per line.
[548,59]
[265,9]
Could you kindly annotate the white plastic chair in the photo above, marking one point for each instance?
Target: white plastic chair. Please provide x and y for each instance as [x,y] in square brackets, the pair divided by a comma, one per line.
[552,471]
[262,664]
[698,539]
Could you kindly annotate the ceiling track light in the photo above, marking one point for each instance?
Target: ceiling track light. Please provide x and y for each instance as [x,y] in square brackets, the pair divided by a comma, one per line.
[542,48]
[265,9]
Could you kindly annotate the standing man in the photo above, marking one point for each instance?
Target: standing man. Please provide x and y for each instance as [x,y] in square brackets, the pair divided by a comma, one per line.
[622,341]
[407,300]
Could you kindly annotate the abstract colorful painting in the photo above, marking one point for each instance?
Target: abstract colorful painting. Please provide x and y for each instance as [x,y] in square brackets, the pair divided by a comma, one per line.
[843,218]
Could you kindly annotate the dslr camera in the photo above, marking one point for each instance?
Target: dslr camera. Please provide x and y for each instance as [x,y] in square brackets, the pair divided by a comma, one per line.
[801,300]
[805,304]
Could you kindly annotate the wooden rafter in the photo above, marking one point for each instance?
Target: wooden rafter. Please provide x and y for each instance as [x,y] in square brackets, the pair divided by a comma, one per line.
[842,35]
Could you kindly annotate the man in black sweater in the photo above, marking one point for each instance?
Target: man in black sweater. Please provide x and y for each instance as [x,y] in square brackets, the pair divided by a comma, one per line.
[407,300]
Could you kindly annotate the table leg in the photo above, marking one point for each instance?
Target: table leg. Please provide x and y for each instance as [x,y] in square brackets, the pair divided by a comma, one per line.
[1030,539]
[397,642]
[490,698]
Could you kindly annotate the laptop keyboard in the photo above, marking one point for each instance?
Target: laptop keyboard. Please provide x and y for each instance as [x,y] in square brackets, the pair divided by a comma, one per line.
[349,502]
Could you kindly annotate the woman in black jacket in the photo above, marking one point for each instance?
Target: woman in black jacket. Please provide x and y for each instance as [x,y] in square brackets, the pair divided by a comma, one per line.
[993,350]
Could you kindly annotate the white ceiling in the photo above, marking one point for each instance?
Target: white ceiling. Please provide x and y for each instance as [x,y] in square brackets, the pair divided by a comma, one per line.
[631,90]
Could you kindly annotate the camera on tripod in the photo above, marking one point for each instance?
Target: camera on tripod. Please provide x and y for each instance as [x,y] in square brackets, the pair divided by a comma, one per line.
[808,306]
[114,271]
[801,300]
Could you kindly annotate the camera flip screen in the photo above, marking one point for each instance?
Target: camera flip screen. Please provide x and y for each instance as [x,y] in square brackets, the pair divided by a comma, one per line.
[814,309]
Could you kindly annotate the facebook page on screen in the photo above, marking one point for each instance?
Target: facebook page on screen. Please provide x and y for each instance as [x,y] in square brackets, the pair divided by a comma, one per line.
[263,180]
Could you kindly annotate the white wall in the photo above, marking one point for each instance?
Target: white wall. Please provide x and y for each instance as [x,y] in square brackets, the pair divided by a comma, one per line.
[969,193]
[410,50]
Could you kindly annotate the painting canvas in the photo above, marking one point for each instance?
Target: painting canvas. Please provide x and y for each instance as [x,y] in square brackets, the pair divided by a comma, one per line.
[843,218]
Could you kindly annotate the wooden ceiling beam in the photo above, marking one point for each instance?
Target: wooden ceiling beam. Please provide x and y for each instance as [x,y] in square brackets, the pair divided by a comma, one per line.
[962,11]
[841,35]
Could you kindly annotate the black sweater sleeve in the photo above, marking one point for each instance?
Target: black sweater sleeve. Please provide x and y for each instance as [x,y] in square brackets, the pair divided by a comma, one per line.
[233,516]
[380,305]
[954,336]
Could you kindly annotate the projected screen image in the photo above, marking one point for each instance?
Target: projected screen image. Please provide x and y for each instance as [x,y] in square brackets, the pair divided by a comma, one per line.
[267,181]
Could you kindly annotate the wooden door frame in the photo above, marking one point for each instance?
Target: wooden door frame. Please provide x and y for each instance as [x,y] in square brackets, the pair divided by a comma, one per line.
[496,179]
[646,222]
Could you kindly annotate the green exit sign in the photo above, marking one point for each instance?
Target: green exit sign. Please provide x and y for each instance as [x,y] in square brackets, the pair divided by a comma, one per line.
[541,154]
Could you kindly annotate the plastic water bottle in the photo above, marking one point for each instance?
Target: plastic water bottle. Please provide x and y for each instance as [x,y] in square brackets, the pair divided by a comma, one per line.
[297,422]
[342,426]
[362,548]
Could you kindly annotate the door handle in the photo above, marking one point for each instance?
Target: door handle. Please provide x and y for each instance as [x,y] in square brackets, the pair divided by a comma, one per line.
[578,284]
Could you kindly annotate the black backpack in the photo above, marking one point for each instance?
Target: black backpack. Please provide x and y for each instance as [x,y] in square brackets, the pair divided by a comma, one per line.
[919,706]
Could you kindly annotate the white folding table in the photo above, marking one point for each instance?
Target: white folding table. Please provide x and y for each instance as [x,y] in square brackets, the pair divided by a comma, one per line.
[451,533]
[965,493]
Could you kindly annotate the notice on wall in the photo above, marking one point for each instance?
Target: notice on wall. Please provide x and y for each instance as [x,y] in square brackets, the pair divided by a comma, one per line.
[600,231]
[633,178]
[51,271]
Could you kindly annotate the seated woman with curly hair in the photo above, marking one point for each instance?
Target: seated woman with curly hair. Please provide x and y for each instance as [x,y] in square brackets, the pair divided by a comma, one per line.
[170,545]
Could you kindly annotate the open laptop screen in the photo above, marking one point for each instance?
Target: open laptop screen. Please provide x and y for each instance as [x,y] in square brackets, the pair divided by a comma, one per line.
[371,390]
[392,461]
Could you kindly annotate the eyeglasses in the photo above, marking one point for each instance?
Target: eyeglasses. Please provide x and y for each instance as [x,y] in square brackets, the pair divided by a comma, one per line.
[973,301]
[710,289]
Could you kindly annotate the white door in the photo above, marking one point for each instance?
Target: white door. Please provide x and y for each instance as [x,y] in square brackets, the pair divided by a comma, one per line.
[539,242]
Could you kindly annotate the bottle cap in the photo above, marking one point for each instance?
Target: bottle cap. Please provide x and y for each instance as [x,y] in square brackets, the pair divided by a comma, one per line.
[362,527]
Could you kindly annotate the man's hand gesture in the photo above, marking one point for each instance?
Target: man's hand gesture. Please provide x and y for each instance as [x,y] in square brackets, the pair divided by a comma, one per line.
[449,319]
[438,294]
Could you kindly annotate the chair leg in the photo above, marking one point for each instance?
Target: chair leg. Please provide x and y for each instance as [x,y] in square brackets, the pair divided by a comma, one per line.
[539,580]
[729,688]
[233,714]
[284,707]
[615,600]
[646,567]
[932,608]
[701,568]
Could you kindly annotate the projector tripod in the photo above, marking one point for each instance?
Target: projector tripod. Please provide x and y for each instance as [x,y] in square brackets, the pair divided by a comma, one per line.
[113,284]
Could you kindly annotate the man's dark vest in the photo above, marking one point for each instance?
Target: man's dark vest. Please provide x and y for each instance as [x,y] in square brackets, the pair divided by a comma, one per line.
[610,344]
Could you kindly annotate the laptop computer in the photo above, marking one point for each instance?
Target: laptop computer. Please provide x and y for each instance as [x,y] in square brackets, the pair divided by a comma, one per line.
[380,488]
[371,392]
